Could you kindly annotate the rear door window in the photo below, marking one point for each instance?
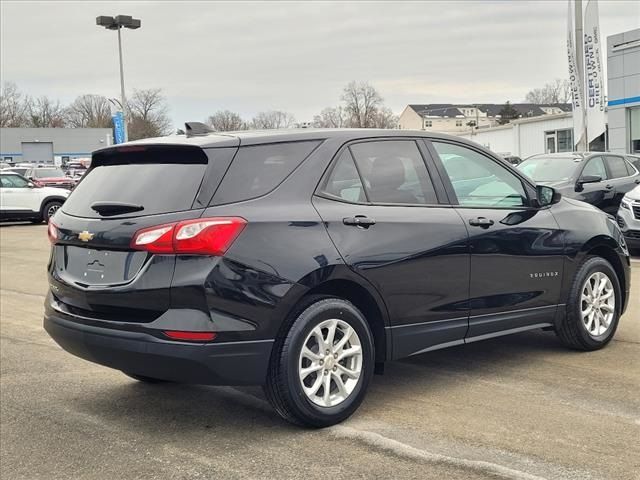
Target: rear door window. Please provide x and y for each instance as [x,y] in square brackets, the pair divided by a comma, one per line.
[161,182]
[257,170]
[394,172]
[617,167]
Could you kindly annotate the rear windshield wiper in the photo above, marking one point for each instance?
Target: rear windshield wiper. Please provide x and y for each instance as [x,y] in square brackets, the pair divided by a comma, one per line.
[115,208]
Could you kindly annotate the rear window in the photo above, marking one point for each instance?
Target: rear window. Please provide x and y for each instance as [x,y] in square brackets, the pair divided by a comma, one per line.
[257,170]
[160,182]
[48,172]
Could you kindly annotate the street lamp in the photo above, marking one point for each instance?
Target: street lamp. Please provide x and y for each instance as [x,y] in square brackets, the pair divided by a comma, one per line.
[117,23]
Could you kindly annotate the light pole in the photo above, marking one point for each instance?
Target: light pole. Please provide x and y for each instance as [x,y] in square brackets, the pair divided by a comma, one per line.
[117,23]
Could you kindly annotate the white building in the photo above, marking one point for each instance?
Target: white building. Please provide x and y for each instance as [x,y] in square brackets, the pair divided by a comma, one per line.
[527,136]
[460,118]
[623,72]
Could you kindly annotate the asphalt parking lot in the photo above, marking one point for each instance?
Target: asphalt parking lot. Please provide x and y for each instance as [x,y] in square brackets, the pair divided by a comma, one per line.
[518,407]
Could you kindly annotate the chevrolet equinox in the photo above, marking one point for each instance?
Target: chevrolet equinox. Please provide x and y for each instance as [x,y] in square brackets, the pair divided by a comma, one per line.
[302,260]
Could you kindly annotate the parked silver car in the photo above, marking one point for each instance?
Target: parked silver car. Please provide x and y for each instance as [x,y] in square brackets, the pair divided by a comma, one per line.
[629,218]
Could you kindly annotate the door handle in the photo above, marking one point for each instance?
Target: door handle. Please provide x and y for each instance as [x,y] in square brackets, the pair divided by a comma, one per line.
[481,222]
[609,187]
[637,182]
[359,221]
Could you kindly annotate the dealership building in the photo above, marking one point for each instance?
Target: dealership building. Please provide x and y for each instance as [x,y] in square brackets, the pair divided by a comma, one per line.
[623,74]
[51,145]
[552,133]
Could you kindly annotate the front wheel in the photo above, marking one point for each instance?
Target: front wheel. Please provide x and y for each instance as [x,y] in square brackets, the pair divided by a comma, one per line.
[320,371]
[593,306]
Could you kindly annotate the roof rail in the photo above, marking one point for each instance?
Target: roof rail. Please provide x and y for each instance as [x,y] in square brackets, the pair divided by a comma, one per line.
[197,128]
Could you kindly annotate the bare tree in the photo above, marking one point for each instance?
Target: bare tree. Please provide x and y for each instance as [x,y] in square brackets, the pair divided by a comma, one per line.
[148,114]
[385,118]
[89,111]
[558,91]
[13,107]
[331,117]
[226,121]
[362,102]
[272,119]
[44,112]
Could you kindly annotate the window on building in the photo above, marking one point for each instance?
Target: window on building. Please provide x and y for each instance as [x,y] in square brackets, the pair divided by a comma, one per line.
[428,124]
[559,140]
[634,129]
[458,123]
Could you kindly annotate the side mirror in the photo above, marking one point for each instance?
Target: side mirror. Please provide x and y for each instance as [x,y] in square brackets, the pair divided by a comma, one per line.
[31,185]
[547,196]
[587,179]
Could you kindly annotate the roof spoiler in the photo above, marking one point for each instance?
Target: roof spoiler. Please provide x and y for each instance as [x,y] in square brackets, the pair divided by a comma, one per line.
[197,128]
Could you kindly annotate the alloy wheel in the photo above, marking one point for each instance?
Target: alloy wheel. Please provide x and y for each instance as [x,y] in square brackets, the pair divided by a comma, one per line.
[330,363]
[597,304]
[52,210]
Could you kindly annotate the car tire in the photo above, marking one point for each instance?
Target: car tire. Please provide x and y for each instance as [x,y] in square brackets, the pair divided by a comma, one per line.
[49,209]
[591,331]
[303,398]
[144,379]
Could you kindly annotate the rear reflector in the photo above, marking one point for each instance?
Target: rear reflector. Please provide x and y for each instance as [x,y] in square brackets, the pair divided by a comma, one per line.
[190,336]
[200,236]
[52,232]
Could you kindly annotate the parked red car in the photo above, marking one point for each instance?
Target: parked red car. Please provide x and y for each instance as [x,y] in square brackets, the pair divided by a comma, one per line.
[50,177]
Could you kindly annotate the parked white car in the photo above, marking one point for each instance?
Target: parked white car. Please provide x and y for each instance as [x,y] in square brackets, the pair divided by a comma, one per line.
[21,199]
[629,218]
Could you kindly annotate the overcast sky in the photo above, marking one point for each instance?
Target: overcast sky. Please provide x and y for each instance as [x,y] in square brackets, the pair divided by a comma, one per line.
[294,56]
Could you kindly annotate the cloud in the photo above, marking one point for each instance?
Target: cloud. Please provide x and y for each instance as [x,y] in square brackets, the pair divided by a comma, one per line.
[252,56]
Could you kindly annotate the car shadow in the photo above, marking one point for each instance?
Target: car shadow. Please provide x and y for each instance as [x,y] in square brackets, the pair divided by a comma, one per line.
[179,409]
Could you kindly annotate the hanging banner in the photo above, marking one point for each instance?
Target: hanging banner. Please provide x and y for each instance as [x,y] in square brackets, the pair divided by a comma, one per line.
[118,127]
[594,93]
[576,82]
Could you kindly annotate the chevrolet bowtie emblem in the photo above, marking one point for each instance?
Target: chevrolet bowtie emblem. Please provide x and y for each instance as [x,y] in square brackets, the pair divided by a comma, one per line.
[85,236]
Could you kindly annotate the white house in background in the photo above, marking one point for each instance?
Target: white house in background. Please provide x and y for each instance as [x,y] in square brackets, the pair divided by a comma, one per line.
[529,136]
[459,118]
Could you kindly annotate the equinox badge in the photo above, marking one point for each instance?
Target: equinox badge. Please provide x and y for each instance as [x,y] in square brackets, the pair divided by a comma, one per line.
[85,236]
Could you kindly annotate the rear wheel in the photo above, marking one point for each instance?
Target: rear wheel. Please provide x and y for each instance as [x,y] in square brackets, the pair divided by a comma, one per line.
[142,378]
[50,209]
[320,371]
[593,307]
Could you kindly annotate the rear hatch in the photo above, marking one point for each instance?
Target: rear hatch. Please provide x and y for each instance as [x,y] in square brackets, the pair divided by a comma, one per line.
[94,272]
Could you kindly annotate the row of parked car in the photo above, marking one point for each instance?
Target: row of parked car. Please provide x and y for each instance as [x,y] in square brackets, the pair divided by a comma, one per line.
[608,181]
[35,193]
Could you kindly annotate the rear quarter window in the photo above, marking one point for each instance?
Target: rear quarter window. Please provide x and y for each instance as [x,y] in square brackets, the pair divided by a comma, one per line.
[258,170]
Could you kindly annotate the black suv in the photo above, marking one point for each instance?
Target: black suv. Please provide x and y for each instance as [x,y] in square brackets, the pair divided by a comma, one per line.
[598,178]
[302,260]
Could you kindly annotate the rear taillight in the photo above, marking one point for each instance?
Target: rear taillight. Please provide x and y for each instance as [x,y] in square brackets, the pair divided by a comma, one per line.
[52,232]
[200,236]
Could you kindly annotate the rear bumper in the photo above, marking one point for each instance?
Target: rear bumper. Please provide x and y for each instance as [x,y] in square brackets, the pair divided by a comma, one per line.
[225,363]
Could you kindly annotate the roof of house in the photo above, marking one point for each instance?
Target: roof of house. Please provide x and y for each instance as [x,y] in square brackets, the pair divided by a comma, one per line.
[450,110]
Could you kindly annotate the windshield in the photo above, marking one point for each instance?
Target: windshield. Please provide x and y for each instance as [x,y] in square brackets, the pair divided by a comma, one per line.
[48,172]
[549,169]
